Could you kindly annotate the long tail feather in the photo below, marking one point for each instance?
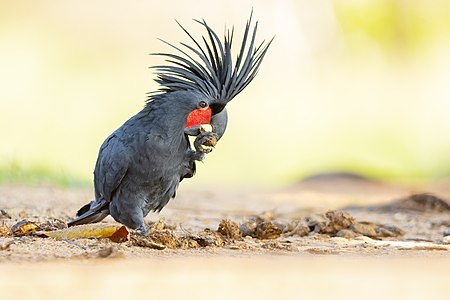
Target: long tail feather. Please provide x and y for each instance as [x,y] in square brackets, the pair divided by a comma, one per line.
[92,212]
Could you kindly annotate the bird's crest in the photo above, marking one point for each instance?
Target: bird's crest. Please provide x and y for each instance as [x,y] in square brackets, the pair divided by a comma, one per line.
[214,73]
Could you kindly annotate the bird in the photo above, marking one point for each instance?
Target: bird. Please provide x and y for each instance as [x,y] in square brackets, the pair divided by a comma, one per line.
[141,164]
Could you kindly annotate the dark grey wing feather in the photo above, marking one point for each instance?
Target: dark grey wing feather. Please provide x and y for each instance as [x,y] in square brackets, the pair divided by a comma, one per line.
[111,167]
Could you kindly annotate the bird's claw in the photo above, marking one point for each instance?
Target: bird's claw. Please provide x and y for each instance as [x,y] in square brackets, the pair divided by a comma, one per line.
[205,142]
[141,230]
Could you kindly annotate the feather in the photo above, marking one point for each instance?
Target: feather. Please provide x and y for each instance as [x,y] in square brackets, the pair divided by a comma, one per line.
[213,74]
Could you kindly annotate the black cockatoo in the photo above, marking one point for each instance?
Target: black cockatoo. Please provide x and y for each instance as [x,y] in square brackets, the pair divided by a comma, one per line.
[141,164]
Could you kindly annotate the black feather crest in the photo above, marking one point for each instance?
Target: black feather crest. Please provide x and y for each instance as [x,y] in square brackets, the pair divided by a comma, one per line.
[213,74]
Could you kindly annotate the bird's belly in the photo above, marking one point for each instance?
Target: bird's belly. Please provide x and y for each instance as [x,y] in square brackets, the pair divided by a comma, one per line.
[151,186]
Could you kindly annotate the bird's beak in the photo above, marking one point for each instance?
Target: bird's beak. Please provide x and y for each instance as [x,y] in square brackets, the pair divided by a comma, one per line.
[217,107]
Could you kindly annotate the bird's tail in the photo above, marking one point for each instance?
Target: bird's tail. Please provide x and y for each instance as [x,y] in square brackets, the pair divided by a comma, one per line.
[92,212]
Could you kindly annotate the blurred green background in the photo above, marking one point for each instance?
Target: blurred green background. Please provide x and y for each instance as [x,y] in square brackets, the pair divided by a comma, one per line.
[351,85]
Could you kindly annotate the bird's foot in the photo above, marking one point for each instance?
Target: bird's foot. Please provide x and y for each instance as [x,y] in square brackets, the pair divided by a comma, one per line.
[142,230]
[205,142]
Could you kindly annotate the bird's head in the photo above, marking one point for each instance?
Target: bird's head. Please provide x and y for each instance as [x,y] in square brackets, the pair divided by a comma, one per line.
[211,78]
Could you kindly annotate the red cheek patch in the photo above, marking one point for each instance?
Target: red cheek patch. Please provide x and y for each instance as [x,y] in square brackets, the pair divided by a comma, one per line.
[199,117]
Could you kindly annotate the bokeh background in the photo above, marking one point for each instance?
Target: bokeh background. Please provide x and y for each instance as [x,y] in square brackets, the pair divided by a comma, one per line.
[361,86]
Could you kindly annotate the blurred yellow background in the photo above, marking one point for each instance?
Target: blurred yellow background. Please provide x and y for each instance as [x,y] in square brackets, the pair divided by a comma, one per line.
[347,85]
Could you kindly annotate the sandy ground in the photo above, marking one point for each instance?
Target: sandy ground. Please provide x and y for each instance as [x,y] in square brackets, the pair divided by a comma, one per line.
[375,243]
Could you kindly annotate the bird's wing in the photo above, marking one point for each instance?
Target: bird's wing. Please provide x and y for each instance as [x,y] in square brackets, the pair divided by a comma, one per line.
[111,167]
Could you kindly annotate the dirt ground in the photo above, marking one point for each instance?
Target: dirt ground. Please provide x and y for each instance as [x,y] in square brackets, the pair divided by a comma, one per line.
[350,234]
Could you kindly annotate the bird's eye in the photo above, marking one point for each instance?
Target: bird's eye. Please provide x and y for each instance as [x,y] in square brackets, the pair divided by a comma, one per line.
[202,104]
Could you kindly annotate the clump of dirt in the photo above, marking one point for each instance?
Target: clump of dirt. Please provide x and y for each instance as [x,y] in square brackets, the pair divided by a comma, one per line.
[268,230]
[264,231]
[52,224]
[262,227]
[167,239]
[208,238]
[109,252]
[154,241]
[160,236]
[265,228]
[5,230]
[376,231]
[160,225]
[230,230]
[298,228]
[163,236]
[418,202]
[331,222]
[343,224]
[26,227]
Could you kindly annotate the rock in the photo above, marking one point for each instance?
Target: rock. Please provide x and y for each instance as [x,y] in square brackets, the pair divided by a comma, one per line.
[109,252]
[447,231]
[248,228]
[4,214]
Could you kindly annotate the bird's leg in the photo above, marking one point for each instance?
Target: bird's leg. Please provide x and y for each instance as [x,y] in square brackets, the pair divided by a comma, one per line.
[142,230]
[195,155]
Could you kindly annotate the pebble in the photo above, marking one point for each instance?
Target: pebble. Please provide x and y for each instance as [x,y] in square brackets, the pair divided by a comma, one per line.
[447,231]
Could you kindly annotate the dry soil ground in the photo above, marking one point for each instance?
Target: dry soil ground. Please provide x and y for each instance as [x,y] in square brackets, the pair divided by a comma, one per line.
[326,237]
